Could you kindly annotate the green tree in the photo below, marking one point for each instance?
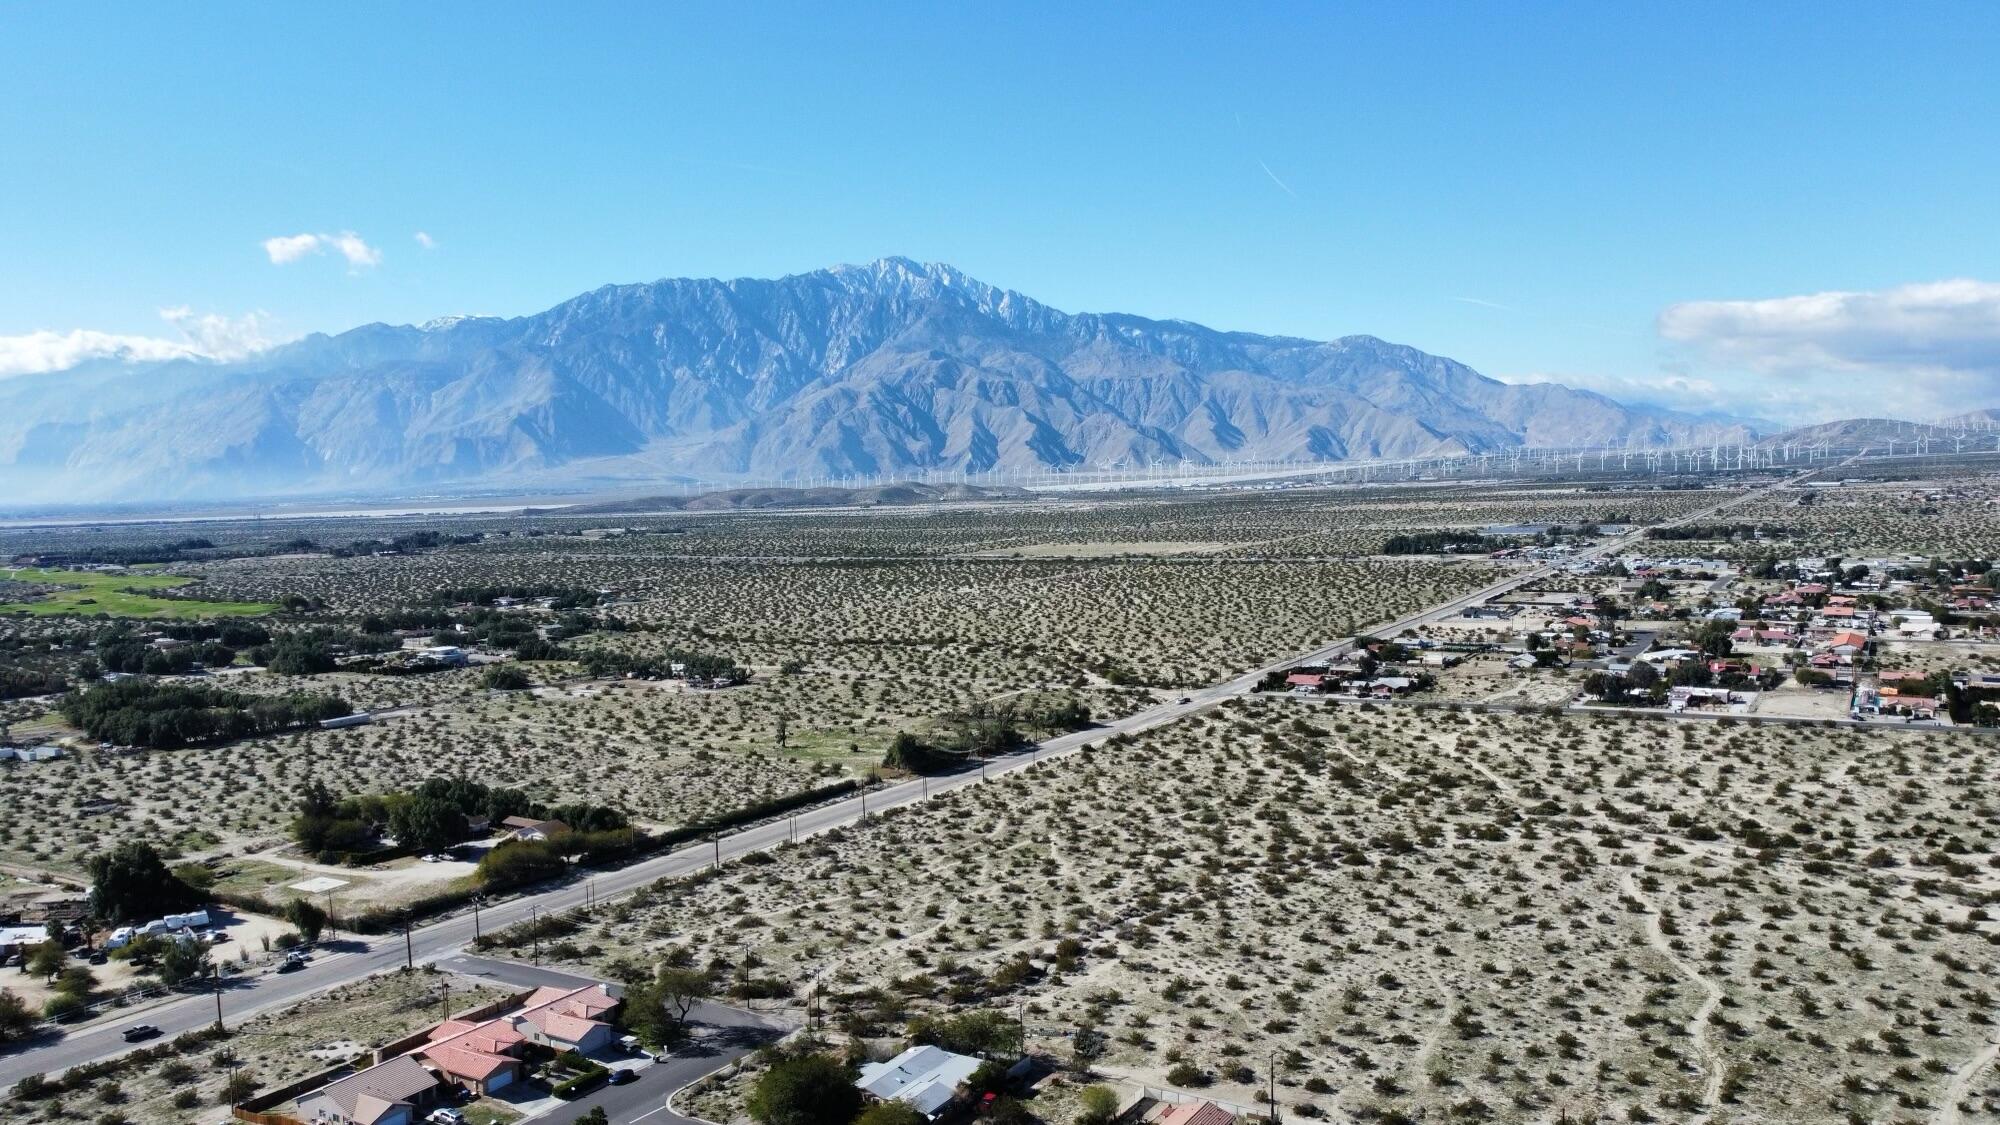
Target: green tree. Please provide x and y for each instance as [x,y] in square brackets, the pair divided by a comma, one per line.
[182,960]
[46,960]
[77,980]
[596,1116]
[657,1010]
[812,1089]
[16,1018]
[425,823]
[504,677]
[307,918]
[197,876]
[130,883]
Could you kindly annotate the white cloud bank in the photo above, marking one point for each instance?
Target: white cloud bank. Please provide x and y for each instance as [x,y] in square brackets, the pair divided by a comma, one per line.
[1907,351]
[287,248]
[207,336]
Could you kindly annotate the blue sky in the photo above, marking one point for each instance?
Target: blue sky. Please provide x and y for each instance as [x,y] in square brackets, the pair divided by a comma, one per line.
[1640,199]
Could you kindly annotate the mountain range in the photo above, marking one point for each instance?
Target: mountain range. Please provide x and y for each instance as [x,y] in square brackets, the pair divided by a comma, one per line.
[888,368]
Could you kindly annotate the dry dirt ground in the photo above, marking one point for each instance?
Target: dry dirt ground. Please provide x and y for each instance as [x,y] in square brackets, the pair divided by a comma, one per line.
[1439,915]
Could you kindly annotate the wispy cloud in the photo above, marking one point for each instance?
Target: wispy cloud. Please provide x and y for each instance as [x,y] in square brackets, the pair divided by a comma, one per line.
[425,240]
[204,336]
[1274,179]
[287,248]
[1484,303]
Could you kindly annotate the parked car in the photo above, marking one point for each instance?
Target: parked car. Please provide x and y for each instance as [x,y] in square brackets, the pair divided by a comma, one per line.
[140,1031]
[288,965]
[620,1076]
[446,1117]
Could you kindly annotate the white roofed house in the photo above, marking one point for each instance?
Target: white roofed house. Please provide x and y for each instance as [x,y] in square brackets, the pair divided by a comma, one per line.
[926,1079]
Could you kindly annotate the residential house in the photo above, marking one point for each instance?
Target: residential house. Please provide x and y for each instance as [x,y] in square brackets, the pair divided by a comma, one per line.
[1682,698]
[924,1078]
[397,1092]
[528,828]
[481,1056]
[568,1019]
[1304,683]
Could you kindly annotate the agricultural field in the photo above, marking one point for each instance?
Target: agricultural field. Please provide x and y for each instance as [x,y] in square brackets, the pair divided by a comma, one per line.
[1427,914]
[84,593]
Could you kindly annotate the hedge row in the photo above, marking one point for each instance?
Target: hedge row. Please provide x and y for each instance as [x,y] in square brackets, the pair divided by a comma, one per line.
[571,1087]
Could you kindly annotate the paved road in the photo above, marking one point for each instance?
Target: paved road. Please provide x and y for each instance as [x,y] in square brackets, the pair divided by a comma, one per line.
[351,959]
[722,1035]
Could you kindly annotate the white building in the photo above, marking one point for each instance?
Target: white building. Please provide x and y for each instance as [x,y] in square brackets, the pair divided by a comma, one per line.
[924,1078]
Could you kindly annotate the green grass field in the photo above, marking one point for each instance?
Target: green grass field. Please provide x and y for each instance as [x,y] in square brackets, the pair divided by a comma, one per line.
[86,593]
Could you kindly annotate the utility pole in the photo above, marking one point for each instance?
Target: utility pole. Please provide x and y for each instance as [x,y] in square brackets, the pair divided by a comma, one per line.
[1273,1076]
[446,1001]
[718,851]
[475,919]
[409,946]
[218,996]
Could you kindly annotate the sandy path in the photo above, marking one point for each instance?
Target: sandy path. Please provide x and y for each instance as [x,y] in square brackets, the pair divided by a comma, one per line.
[1420,1062]
[1961,1084]
[1698,1023]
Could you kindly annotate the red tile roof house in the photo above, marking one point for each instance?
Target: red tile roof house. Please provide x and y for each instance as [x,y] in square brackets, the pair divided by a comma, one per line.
[568,1018]
[1304,681]
[482,1056]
